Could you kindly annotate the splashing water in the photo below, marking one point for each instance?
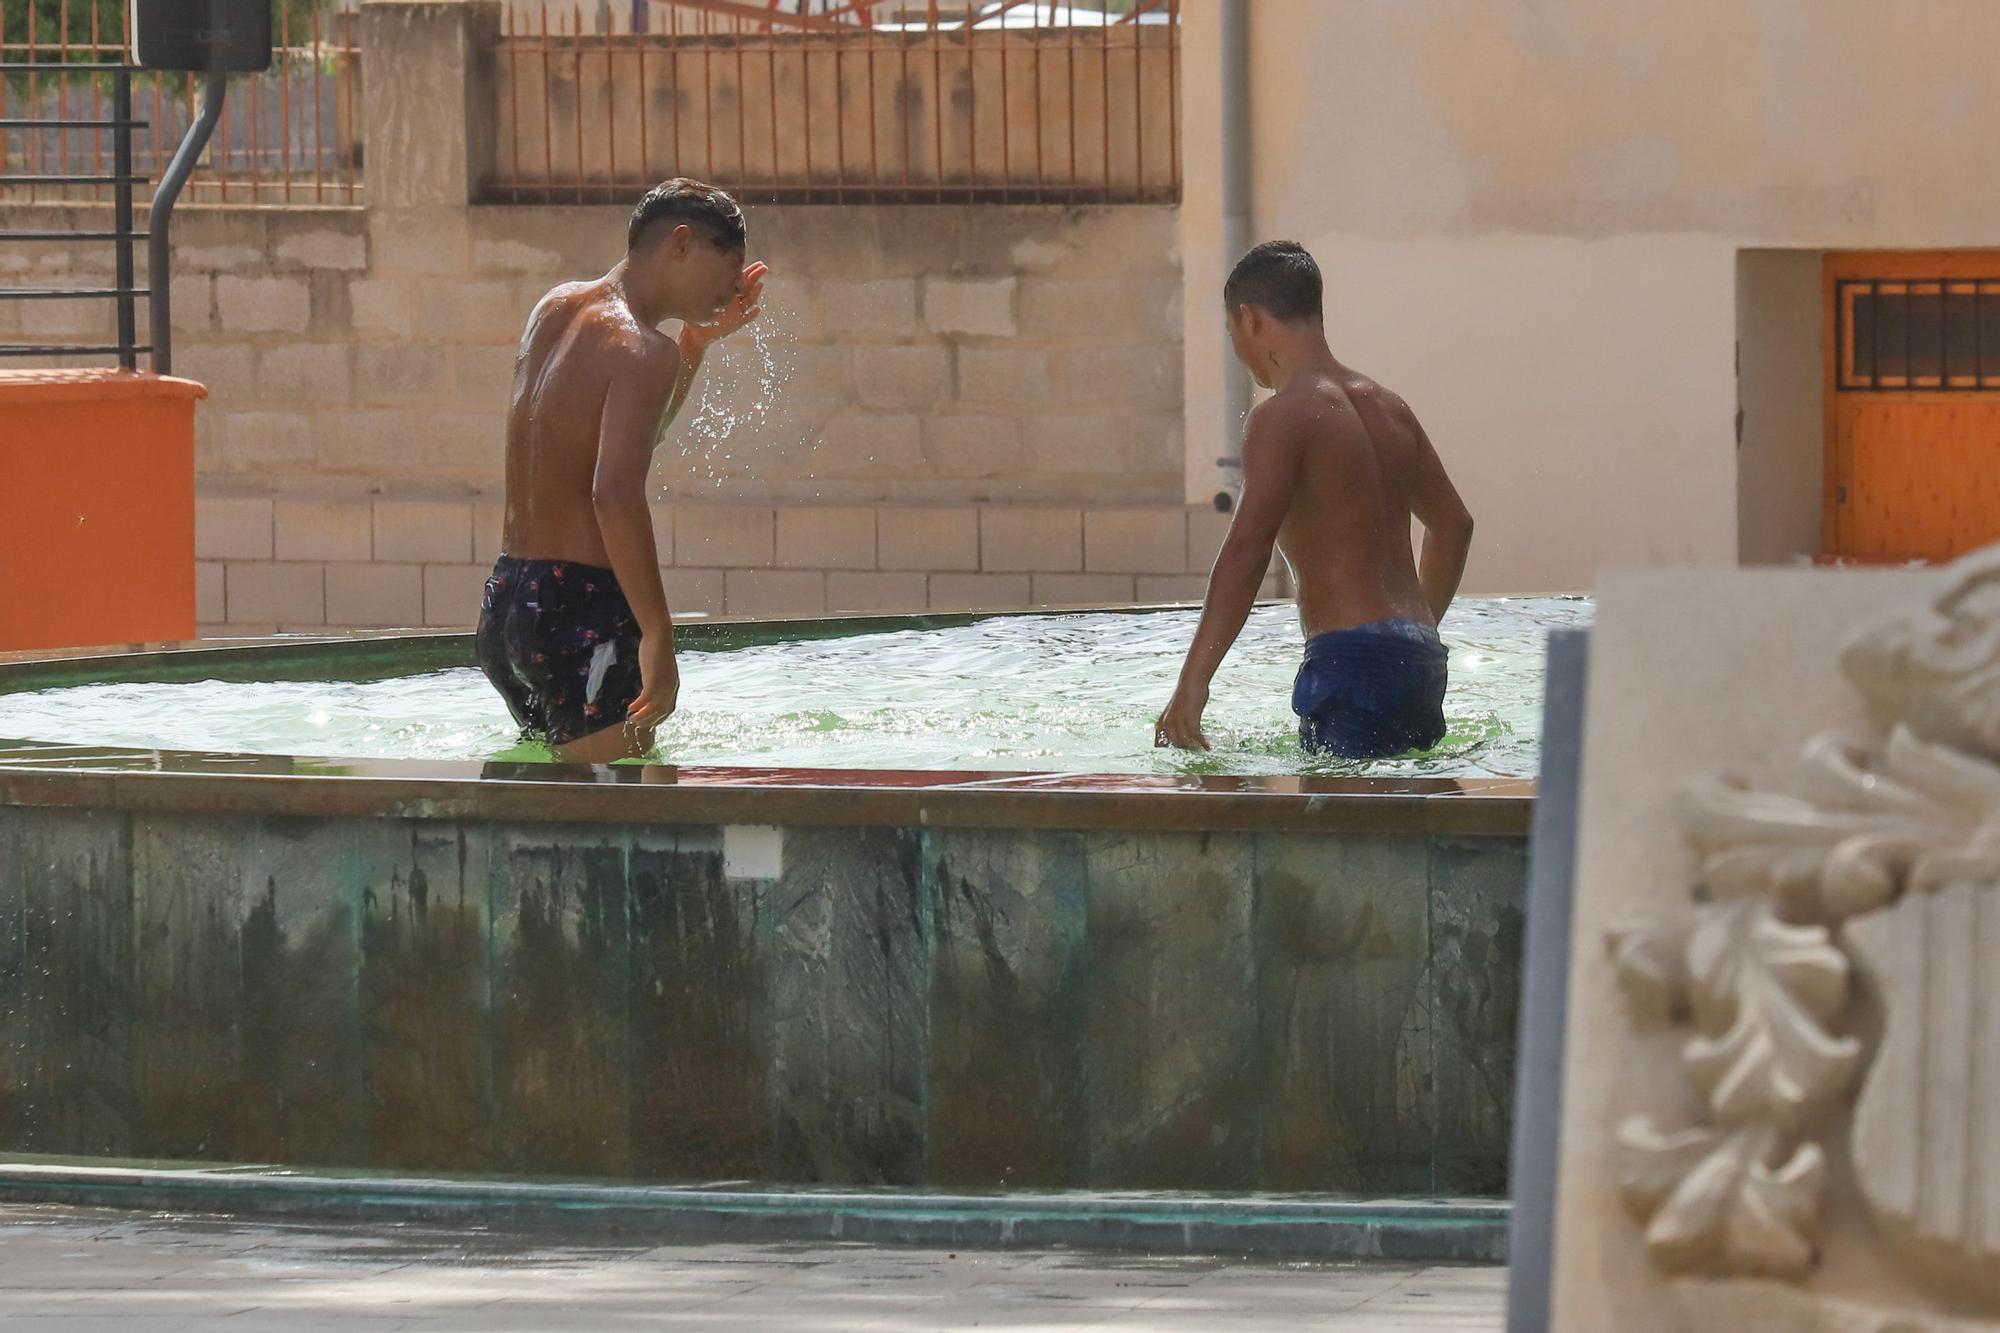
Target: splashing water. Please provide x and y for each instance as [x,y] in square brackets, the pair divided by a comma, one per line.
[1067,693]
[740,396]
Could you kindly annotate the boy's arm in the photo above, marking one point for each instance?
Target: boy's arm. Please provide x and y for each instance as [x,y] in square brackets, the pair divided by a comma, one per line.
[634,405]
[1270,474]
[1447,524]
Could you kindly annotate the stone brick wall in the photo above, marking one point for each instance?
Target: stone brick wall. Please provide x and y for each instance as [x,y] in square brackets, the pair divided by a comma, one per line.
[300,563]
[944,406]
[937,354]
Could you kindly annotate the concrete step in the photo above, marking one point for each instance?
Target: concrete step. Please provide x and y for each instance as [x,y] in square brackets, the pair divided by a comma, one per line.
[1263,1226]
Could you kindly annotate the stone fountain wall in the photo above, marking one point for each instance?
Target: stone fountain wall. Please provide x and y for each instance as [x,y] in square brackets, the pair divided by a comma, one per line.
[1283,1011]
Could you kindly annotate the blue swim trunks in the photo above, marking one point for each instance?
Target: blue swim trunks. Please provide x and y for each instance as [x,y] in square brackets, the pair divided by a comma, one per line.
[1373,691]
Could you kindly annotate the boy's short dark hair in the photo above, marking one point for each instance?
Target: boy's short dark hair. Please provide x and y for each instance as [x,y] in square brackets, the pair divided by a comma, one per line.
[1279,276]
[710,211]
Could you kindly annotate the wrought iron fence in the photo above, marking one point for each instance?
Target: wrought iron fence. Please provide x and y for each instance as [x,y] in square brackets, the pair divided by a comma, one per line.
[966,101]
[291,135]
[124,293]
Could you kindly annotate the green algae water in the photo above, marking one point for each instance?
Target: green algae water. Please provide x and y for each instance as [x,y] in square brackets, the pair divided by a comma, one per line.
[1073,693]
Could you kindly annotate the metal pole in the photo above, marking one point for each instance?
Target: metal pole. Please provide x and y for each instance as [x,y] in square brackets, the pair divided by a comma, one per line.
[121,166]
[1538,1078]
[1236,202]
[157,260]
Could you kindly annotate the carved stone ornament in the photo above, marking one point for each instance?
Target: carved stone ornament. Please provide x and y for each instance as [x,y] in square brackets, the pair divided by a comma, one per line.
[1872,871]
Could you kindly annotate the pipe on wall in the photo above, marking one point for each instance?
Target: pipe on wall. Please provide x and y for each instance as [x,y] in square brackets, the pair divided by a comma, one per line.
[159,251]
[1236,201]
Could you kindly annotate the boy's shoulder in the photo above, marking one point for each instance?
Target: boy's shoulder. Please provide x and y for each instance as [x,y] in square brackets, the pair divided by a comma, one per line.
[613,334]
[1364,391]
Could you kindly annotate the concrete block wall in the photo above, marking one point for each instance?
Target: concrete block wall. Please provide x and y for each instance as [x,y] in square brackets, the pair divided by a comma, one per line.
[907,354]
[358,561]
[943,406]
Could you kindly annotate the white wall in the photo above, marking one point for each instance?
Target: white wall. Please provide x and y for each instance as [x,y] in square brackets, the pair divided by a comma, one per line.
[1530,216]
[1781,391]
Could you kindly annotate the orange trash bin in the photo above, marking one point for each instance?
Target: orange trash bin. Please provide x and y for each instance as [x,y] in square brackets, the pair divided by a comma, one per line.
[96,508]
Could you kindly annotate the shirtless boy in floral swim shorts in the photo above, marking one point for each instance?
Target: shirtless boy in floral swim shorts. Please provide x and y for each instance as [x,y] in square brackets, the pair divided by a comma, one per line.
[574,630]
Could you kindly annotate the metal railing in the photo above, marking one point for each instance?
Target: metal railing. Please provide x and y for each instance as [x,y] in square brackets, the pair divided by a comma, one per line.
[966,101]
[119,178]
[288,136]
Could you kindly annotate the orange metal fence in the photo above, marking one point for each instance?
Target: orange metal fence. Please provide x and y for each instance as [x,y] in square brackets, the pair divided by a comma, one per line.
[965,101]
[288,136]
[923,101]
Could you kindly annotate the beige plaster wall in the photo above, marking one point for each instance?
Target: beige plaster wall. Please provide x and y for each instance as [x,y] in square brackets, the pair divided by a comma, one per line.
[1798,120]
[1781,380]
[1531,214]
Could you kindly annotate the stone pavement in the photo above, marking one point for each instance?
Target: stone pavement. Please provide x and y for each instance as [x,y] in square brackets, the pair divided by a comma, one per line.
[73,1270]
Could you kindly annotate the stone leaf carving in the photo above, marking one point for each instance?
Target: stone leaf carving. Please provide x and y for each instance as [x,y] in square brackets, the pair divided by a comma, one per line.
[1879,851]
[1741,1193]
[1715,1204]
[1650,958]
[1859,822]
[1936,668]
[1765,990]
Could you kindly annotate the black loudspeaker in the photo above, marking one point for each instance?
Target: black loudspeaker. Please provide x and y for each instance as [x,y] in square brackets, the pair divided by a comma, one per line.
[223,36]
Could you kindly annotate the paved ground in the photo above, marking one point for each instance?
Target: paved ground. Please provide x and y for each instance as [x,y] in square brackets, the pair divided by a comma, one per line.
[74,1269]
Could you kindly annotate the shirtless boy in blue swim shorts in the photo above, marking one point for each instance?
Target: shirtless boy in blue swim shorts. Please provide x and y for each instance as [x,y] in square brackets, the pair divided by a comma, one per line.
[1334,468]
[574,630]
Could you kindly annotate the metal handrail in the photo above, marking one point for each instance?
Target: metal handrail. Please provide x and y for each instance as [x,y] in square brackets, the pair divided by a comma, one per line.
[95,179]
[65,349]
[58,123]
[16,234]
[68,293]
[123,231]
[159,291]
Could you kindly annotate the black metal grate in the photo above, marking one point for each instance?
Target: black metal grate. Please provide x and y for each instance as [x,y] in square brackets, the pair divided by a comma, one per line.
[121,178]
[1932,335]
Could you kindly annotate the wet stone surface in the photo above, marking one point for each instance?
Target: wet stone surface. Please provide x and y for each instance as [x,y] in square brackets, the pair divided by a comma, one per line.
[67,1002]
[1009,978]
[969,1007]
[1172,1020]
[698,1043]
[1344,1026]
[1478,920]
[848,1021]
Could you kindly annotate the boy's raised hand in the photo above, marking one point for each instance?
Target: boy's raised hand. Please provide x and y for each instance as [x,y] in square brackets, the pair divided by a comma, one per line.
[744,308]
